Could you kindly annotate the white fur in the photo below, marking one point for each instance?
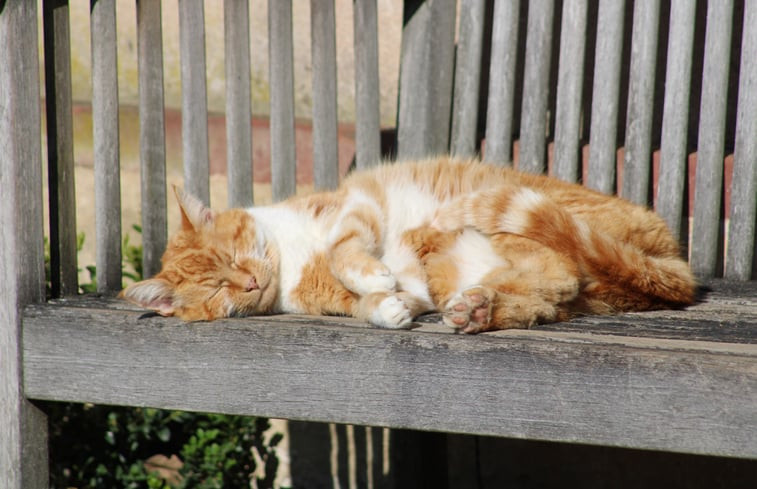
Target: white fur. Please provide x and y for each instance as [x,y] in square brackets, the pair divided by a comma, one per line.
[365,284]
[516,219]
[391,312]
[298,238]
[399,259]
[475,257]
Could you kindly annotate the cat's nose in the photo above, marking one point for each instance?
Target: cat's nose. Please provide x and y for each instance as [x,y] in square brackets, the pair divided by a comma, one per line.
[252,284]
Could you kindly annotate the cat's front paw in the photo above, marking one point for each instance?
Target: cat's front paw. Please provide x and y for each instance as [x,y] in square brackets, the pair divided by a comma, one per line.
[364,283]
[391,312]
[471,310]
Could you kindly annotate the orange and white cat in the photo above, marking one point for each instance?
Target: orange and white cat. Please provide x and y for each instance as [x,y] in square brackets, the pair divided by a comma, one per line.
[487,246]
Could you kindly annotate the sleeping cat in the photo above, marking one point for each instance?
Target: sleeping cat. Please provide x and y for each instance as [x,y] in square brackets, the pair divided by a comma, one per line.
[489,247]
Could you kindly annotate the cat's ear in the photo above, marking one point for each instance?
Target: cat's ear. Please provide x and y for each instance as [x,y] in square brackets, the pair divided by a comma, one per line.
[194,214]
[154,293]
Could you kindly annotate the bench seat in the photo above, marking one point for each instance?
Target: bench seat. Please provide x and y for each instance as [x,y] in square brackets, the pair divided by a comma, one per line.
[682,381]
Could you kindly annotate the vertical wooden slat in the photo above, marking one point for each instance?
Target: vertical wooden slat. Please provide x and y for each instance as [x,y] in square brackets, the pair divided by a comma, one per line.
[569,90]
[194,99]
[236,22]
[740,263]
[152,141]
[533,125]
[426,69]
[499,113]
[675,116]
[325,138]
[367,95]
[638,148]
[709,175]
[283,163]
[106,145]
[60,148]
[467,78]
[23,428]
[604,104]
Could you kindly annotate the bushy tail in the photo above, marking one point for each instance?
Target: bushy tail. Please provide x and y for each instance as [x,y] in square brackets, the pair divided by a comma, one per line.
[618,273]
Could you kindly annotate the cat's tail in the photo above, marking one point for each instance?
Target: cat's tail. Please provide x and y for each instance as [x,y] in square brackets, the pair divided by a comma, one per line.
[620,273]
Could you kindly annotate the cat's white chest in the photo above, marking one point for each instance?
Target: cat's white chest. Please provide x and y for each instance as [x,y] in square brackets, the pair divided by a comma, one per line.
[298,238]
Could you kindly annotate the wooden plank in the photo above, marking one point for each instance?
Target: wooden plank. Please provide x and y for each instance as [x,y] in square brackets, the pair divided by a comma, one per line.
[152,139]
[325,137]
[570,80]
[504,53]
[367,95]
[700,397]
[236,21]
[281,56]
[467,78]
[23,430]
[426,70]
[638,148]
[533,125]
[740,261]
[106,146]
[675,116]
[60,149]
[708,192]
[194,99]
[605,93]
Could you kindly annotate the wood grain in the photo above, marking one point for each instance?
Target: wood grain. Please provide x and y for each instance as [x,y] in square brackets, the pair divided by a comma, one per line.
[152,140]
[23,429]
[573,385]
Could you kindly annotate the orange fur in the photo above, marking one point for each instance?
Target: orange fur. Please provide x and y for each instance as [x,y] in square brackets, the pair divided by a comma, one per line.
[488,246]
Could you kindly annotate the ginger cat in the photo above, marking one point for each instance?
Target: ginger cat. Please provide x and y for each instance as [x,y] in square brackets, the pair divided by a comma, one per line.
[487,246]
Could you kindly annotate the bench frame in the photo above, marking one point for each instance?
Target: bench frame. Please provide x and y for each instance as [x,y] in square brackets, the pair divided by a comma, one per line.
[680,381]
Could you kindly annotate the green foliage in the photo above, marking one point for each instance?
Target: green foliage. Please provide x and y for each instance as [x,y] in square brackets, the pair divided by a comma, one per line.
[94,446]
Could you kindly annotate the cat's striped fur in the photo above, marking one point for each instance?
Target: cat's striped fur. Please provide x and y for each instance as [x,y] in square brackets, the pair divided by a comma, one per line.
[489,247]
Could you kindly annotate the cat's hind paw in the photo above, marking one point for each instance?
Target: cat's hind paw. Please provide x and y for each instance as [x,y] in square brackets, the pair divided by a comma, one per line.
[471,310]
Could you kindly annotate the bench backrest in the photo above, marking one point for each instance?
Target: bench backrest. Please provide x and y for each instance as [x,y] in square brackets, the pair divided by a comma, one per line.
[625,98]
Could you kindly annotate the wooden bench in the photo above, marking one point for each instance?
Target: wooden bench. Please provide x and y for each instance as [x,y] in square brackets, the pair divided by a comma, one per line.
[583,88]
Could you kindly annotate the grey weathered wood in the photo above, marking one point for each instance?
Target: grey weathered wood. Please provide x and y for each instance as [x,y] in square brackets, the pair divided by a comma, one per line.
[570,90]
[367,94]
[194,99]
[325,136]
[604,103]
[700,397]
[60,149]
[236,21]
[707,225]
[426,69]
[740,260]
[283,163]
[504,53]
[638,148]
[675,116]
[106,145]
[467,78]
[533,125]
[152,140]
[23,456]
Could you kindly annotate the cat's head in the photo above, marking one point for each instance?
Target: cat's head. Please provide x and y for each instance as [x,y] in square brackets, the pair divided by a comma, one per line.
[218,265]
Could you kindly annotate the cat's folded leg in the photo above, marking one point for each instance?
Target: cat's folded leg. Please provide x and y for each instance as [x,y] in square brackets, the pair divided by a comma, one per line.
[482,209]
[353,256]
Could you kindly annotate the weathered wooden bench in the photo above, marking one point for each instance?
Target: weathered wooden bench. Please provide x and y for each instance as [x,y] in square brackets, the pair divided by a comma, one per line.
[574,82]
